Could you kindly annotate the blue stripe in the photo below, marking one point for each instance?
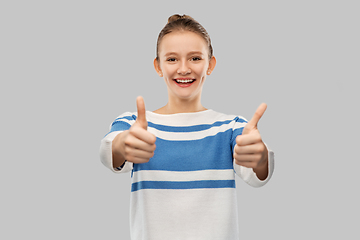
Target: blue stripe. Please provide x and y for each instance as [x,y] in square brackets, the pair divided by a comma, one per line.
[213,152]
[195,128]
[182,185]
[120,126]
[236,132]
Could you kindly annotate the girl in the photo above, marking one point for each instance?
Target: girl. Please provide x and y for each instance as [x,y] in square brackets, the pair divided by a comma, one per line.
[183,157]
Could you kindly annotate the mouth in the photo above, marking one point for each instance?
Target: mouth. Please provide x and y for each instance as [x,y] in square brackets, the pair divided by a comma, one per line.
[184,82]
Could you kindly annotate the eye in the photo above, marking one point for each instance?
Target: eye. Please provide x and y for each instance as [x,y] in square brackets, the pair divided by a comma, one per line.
[195,58]
[171,59]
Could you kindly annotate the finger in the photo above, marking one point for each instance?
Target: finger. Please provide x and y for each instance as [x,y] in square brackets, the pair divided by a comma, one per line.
[247,164]
[141,117]
[143,135]
[137,160]
[248,139]
[136,143]
[252,124]
[132,153]
[249,149]
[247,158]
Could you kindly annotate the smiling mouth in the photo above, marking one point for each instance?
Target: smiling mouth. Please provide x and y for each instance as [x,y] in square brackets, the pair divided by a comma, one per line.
[184,81]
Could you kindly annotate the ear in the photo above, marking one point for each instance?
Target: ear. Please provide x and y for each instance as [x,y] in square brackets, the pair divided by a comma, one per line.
[212,64]
[157,67]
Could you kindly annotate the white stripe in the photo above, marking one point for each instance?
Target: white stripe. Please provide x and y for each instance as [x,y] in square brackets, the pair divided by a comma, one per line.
[177,176]
[188,136]
[239,125]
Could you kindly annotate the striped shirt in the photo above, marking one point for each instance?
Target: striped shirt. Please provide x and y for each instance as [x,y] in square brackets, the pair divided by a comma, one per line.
[187,190]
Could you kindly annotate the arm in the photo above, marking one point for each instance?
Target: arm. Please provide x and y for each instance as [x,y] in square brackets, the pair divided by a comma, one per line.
[251,152]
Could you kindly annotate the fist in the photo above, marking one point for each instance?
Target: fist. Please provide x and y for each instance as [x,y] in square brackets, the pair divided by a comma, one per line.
[250,151]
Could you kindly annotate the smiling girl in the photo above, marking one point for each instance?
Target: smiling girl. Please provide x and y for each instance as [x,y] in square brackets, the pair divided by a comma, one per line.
[183,157]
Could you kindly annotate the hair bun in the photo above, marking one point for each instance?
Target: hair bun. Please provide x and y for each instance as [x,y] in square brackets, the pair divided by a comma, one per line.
[176,17]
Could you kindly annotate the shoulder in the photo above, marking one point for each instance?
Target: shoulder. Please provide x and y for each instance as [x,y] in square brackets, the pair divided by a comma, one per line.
[234,122]
[126,119]
[232,117]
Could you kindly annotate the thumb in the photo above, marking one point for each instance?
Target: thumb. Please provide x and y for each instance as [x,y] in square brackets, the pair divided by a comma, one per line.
[252,124]
[141,116]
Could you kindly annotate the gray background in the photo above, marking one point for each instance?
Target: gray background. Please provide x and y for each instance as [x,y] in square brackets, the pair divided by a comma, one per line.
[69,68]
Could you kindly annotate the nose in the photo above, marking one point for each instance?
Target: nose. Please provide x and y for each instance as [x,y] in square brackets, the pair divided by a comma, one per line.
[184,68]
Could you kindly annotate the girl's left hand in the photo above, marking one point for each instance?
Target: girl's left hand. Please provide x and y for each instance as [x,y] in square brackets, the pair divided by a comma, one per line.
[250,151]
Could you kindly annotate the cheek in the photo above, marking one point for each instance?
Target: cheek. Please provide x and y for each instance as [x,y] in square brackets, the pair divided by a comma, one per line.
[202,69]
[169,71]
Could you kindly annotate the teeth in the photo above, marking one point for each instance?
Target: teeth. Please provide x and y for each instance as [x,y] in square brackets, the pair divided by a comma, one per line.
[184,81]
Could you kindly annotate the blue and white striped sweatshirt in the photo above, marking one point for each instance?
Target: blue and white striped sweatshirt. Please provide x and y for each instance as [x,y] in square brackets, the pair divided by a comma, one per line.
[187,190]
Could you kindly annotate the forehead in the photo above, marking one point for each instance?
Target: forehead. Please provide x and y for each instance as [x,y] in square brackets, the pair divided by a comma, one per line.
[182,42]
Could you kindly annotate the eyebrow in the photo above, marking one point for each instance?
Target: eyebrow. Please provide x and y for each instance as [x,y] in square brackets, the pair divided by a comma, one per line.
[190,53]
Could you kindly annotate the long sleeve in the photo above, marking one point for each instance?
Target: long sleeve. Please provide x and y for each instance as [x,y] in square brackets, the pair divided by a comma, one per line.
[122,123]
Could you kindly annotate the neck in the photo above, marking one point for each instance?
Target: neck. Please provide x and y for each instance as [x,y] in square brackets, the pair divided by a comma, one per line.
[181,106]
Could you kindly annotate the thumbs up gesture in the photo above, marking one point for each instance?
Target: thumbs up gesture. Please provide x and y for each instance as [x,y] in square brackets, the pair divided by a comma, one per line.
[141,116]
[136,145]
[250,151]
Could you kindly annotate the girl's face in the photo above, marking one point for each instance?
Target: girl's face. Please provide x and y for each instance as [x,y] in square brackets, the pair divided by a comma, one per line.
[184,63]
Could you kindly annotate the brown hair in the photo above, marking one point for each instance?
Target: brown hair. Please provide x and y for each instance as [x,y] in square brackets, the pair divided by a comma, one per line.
[184,22]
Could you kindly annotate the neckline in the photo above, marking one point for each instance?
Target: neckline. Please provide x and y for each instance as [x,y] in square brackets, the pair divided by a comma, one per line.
[175,114]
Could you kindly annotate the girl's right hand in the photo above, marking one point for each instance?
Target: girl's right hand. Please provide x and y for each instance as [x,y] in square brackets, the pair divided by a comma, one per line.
[135,145]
